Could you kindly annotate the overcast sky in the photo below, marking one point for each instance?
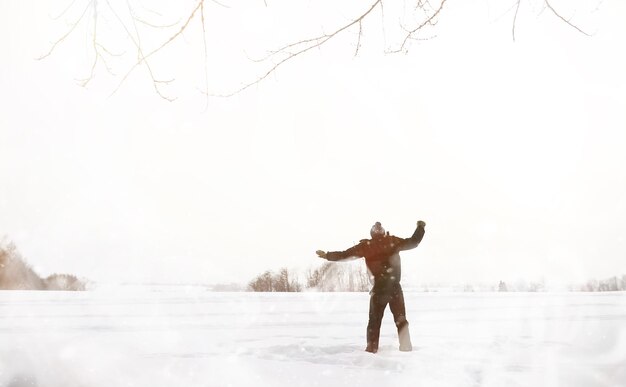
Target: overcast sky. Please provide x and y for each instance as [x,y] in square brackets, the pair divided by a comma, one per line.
[512,152]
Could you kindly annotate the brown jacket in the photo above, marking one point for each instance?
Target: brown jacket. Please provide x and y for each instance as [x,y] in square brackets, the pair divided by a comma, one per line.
[381,254]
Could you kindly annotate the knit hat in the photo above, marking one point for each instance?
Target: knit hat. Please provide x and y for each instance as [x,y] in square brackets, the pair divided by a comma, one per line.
[377,230]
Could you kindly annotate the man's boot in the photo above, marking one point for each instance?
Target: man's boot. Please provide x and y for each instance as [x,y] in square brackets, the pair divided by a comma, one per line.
[371,347]
[372,340]
[404,336]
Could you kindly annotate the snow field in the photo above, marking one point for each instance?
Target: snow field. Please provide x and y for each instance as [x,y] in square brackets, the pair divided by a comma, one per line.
[170,336]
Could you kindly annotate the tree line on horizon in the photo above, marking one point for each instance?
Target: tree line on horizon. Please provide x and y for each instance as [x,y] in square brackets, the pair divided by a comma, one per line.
[332,277]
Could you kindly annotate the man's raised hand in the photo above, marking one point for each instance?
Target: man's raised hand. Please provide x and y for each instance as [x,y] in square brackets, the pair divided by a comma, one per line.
[421,223]
[321,253]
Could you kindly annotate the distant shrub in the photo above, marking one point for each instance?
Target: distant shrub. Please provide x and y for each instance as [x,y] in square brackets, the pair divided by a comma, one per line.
[339,277]
[16,274]
[63,282]
[283,281]
[613,284]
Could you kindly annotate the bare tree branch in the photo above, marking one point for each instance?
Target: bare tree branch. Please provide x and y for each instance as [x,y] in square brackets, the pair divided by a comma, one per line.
[140,20]
[206,58]
[564,19]
[430,20]
[418,17]
[72,28]
[515,18]
[302,47]
[141,57]
[358,42]
[94,36]
[109,52]
[177,34]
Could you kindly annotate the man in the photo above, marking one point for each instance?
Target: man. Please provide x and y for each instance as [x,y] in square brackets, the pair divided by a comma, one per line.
[383,262]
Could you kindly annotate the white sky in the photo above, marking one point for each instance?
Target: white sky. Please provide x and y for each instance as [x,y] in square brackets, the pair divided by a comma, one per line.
[512,152]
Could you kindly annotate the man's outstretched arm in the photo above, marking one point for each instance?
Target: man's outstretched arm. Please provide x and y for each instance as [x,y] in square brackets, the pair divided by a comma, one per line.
[351,253]
[416,238]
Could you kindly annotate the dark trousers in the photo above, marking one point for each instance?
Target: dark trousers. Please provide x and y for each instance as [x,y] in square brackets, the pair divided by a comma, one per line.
[383,293]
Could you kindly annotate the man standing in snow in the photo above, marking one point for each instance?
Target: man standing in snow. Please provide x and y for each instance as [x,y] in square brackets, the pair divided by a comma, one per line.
[383,262]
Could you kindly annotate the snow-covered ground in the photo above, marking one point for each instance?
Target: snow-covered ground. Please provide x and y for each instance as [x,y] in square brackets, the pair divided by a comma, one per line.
[187,336]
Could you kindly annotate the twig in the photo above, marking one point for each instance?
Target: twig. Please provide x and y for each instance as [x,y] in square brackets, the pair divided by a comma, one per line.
[358,42]
[316,43]
[96,55]
[428,21]
[140,20]
[72,28]
[142,58]
[206,58]
[515,19]
[564,19]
